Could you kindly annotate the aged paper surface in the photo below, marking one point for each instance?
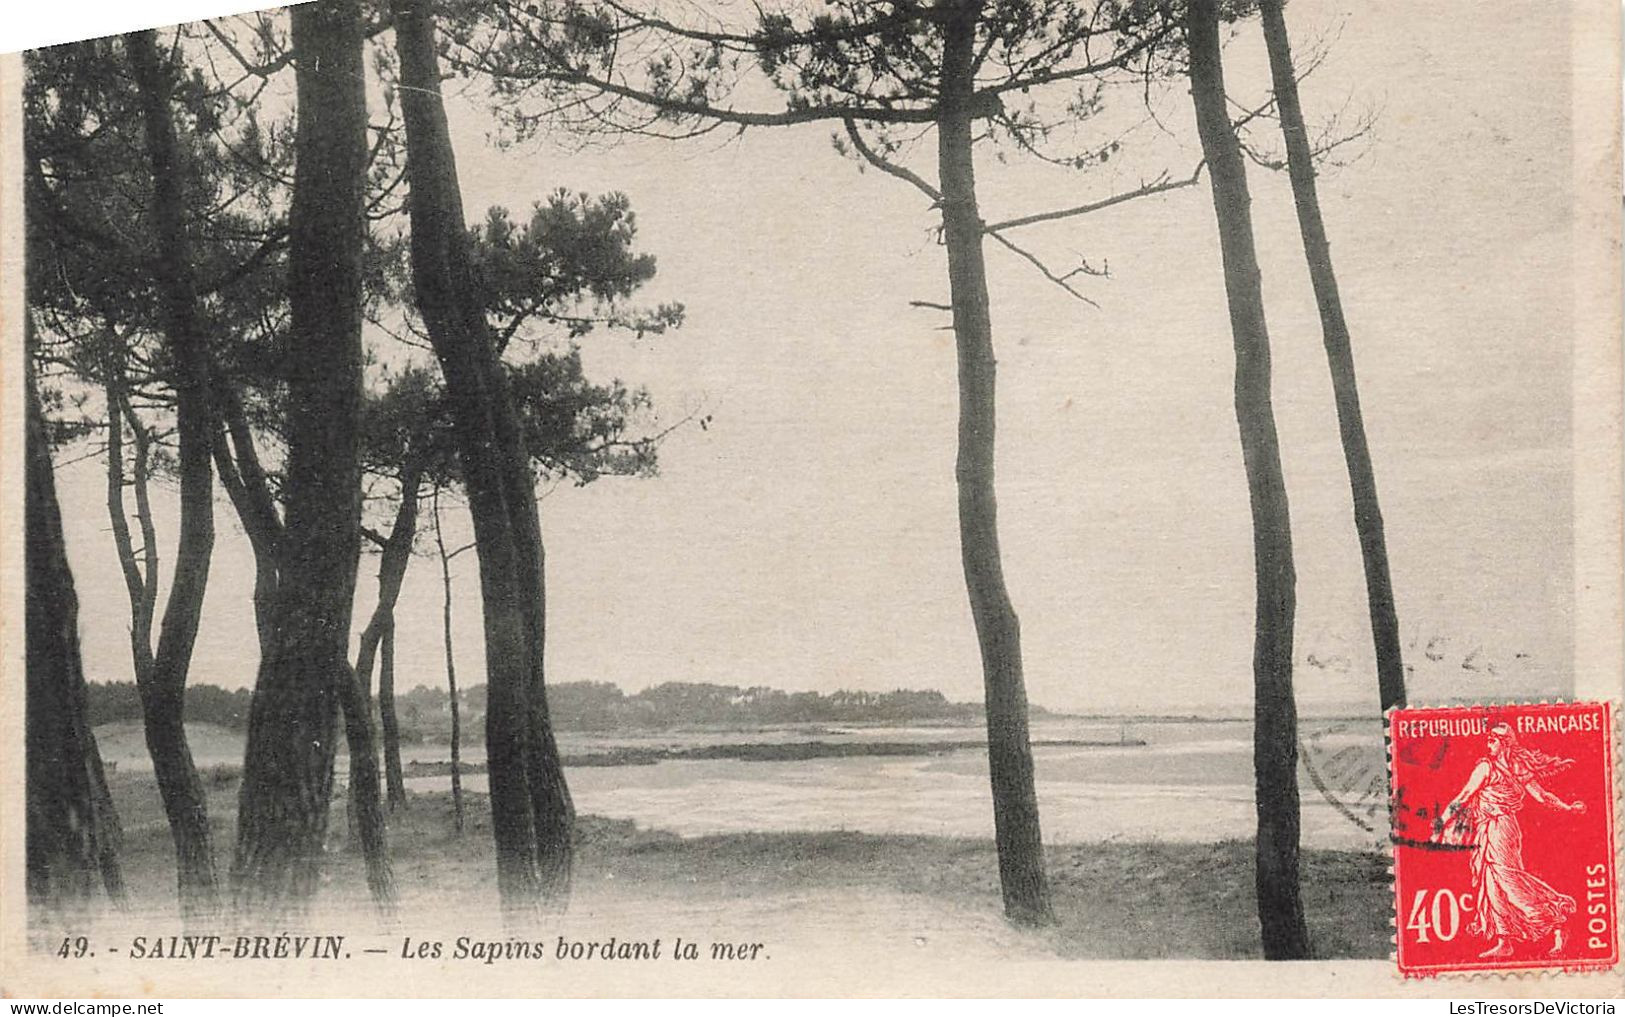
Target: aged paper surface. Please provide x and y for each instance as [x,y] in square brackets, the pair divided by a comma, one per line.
[801,536]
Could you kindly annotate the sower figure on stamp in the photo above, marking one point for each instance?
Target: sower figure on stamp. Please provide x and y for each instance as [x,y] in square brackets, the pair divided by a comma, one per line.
[1512,904]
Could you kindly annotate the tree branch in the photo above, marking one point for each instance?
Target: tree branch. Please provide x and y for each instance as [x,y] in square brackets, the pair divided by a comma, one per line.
[1119,60]
[1158,186]
[249,67]
[557,68]
[1059,280]
[900,14]
[900,172]
[274,241]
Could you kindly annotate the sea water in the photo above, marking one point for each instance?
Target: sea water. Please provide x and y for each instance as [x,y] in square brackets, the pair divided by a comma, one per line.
[1191,782]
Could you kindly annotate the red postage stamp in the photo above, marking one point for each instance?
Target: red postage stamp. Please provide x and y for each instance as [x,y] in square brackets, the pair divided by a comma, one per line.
[1503,833]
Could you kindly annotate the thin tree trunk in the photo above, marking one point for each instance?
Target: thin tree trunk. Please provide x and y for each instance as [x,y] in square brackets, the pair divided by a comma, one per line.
[366,812]
[532,815]
[246,484]
[456,740]
[392,728]
[72,833]
[392,565]
[135,583]
[1340,358]
[393,562]
[998,632]
[451,671]
[1275,715]
[140,477]
[288,767]
[163,694]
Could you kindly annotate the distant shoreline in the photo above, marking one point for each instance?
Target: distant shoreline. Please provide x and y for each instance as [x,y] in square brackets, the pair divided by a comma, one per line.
[123,741]
[604,710]
[767,752]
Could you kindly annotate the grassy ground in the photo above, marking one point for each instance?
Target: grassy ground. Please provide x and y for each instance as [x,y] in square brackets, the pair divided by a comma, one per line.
[1112,900]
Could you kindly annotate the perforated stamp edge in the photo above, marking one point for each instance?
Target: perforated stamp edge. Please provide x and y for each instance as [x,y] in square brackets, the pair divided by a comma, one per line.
[1528,971]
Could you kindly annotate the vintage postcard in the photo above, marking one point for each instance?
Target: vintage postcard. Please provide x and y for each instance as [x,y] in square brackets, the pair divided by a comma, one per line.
[844,498]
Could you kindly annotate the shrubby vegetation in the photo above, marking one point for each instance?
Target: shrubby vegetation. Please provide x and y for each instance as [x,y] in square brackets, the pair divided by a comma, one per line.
[590,706]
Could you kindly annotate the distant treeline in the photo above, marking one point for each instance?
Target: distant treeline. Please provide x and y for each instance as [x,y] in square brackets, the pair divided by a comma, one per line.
[425,713]
[599,706]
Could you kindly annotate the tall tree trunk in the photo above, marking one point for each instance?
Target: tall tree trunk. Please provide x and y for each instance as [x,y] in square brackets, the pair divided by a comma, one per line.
[998,632]
[72,833]
[532,815]
[140,478]
[1340,358]
[288,767]
[163,694]
[380,630]
[393,776]
[141,582]
[1275,714]
[137,585]
[366,812]
[451,671]
[245,481]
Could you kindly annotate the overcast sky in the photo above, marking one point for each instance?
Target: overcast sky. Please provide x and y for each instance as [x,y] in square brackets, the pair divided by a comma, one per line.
[807,540]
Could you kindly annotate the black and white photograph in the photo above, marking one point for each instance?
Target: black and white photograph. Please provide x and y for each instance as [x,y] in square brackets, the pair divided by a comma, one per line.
[810,497]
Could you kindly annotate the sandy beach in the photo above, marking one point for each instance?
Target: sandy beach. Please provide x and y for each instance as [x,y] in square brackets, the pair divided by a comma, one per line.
[800,891]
